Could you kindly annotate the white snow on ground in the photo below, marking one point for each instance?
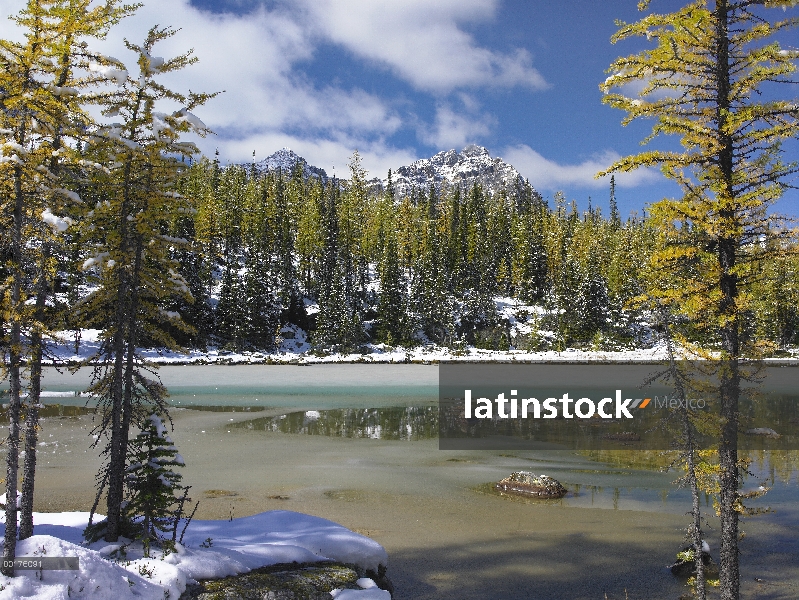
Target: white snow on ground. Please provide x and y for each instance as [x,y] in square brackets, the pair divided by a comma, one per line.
[297,350]
[211,549]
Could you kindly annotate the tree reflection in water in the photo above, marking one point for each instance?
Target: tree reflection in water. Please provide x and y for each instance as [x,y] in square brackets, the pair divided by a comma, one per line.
[394,423]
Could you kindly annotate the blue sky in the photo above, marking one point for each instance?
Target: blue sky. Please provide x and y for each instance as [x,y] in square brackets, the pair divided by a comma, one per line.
[403,79]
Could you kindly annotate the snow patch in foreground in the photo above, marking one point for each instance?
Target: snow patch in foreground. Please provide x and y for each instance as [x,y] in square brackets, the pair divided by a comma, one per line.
[234,547]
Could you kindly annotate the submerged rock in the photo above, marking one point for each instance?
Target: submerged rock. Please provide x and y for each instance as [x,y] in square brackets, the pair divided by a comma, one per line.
[763,431]
[525,483]
[624,436]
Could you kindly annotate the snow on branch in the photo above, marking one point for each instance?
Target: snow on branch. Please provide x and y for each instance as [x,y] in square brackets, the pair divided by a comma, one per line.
[114,132]
[174,240]
[69,194]
[61,91]
[96,260]
[16,148]
[11,159]
[57,223]
[118,75]
[193,121]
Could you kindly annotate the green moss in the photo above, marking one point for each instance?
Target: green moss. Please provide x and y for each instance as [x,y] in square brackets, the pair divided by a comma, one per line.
[284,582]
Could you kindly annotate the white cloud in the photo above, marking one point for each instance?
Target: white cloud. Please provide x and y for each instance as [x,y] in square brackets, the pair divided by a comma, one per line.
[254,57]
[455,130]
[258,59]
[422,41]
[545,174]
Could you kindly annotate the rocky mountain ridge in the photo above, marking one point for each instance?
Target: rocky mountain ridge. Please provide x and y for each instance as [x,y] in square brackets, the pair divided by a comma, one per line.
[449,168]
[461,169]
[286,160]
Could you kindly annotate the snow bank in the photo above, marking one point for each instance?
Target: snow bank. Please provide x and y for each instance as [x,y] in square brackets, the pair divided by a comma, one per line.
[96,578]
[211,549]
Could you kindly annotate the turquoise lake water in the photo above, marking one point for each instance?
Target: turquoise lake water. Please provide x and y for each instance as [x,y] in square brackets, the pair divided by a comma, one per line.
[399,402]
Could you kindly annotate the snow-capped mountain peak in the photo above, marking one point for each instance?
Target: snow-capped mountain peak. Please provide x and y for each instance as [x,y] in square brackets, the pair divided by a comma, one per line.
[286,159]
[449,168]
[471,165]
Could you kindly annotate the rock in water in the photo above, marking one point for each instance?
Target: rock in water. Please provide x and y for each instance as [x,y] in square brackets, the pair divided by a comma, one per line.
[686,565]
[525,483]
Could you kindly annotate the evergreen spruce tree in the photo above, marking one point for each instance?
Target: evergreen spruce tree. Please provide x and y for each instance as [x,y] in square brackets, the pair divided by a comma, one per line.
[432,307]
[335,332]
[615,221]
[393,297]
[288,287]
[153,486]
[776,298]
[590,304]
[338,324]
[500,221]
[230,317]
[310,238]
[352,256]
[260,300]
[193,265]
[530,256]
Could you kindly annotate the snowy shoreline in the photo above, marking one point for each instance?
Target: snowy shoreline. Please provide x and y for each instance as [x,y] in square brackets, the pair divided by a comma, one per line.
[62,353]
[367,359]
[211,550]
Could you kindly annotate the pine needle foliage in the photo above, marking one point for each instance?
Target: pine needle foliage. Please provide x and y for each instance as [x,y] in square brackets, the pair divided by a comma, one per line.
[154,487]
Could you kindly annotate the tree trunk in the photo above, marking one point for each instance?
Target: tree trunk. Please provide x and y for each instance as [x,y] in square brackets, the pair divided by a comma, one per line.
[729,480]
[695,528]
[729,380]
[14,379]
[116,461]
[34,394]
[12,447]
[31,436]
[118,443]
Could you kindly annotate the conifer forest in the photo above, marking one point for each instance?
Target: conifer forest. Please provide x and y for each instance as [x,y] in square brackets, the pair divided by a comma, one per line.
[353,265]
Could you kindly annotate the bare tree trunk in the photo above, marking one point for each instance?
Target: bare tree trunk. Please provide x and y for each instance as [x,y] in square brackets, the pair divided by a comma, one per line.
[118,449]
[15,363]
[34,394]
[31,436]
[123,402]
[729,481]
[695,531]
[12,447]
